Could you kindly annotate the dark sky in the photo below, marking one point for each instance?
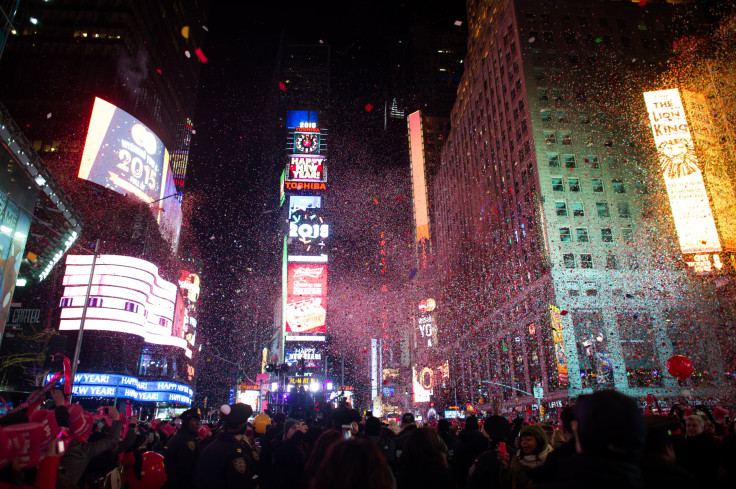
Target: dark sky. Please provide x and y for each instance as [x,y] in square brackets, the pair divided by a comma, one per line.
[234,168]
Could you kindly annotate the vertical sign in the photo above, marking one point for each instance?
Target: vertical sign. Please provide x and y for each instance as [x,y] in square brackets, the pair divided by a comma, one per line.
[374,368]
[419,185]
[559,342]
[694,222]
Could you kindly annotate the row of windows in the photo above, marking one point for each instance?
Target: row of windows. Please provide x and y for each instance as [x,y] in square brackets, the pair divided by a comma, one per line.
[602,209]
[586,261]
[566,139]
[593,162]
[596,184]
[582,235]
[98,301]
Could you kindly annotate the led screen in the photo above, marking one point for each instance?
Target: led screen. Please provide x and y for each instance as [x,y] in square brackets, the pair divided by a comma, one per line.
[419,184]
[682,173]
[559,342]
[308,231]
[127,387]
[122,154]
[298,118]
[422,383]
[307,168]
[310,352]
[306,299]
[303,203]
[127,296]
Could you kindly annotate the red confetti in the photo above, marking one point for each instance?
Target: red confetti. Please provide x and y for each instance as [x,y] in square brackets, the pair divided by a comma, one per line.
[563,313]
[375,201]
[400,199]
[282,86]
[200,55]
[158,71]
[643,3]
[369,107]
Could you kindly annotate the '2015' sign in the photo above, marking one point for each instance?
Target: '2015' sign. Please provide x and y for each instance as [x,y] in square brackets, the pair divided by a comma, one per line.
[308,231]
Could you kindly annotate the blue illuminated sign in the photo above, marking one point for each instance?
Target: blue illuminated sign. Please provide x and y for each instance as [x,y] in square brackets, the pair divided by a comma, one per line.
[298,118]
[127,387]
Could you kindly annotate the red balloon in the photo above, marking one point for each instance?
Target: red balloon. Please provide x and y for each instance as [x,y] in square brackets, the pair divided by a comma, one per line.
[153,475]
[680,367]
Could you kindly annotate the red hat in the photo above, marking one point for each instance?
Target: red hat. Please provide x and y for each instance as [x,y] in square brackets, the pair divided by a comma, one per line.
[82,427]
[47,420]
[203,432]
[719,414]
[28,436]
[167,430]
[9,450]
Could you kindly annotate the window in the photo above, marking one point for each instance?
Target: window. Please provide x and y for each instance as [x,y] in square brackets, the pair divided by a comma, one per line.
[65,302]
[606,235]
[618,186]
[602,209]
[539,74]
[546,115]
[574,184]
[567,139]
[565,235]
[570,161]
[582,235]
[573,289]
[161,321]
[586,261]
[557,185]
[623,210]
[608,141]
[584,118]
[597,185]
[562,116]
[553,159]
[550,137]
[561,208]
[611,263]
[591,289]
[569,260]
[542,94]
[578,210]
[131,307]
[592,162]
[627,233]
[95,302]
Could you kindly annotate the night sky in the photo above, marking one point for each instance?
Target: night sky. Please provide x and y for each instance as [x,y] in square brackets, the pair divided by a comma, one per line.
[234,170]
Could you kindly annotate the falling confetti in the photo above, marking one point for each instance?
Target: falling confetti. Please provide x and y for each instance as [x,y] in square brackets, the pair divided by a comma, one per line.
[48,116]
[458,23]
[200,55]
[205,28]
[282,86]
[185,32]
[369,107]
[187,54]
[532,39]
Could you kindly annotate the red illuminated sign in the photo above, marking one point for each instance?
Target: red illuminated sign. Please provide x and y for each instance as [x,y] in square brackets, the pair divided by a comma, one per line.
[306,300]
[307,168]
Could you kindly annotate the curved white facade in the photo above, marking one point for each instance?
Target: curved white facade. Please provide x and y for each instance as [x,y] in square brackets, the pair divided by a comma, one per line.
[127,296]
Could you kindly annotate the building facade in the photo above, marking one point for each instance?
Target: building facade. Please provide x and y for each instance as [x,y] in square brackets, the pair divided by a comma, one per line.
[558,261]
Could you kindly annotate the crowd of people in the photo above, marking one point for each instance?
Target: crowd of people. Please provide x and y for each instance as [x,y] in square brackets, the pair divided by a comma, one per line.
[604,440]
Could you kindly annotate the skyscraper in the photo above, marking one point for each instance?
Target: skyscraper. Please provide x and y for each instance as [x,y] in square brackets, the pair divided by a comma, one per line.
[559,272]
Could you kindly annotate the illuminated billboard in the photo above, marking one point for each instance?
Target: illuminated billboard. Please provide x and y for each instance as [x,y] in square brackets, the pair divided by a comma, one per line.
[422,383]
[303,168]
[122,154]
[419,183]
[559,343]
[306,298]
[681,170]
[127,296]
[308,231]
[301,118]
[127,387]
[310,353]
[125,156]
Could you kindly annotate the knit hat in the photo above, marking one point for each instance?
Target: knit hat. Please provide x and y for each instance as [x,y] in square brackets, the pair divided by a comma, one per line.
[538,433]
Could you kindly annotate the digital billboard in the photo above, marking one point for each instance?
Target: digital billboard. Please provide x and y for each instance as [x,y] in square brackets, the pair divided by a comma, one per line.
[310,353]
[127,296]
[301,118]
[422,383]
[303,168]
[308,231]
[127,387]
[419,183]
[559,343]
[682,173]
[125,156]
[306,298]
[122,154]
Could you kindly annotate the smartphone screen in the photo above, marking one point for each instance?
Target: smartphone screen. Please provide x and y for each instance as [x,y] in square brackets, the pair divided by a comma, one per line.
[60,447]
[346,433]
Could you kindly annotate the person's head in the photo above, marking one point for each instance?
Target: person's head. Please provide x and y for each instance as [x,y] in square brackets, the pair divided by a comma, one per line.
[279,418]
[291,426]
[354,463]
[532,439]
[609,425]
[322,445]
[372,426]
[471,423]
[236,417]
[407,419]
[394,426]
[443,425]
[190,420]
[497,428]
[424,447]
[567,416]
[694,425]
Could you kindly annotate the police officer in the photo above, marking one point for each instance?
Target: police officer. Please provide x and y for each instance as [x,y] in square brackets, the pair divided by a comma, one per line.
[182,451]
[230,461]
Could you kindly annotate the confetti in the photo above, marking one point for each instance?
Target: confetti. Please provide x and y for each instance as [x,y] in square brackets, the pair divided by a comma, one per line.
[187,54]
[185,32]
[458,23]
[369,107]
[282,86]
[200,55]
[48,116]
